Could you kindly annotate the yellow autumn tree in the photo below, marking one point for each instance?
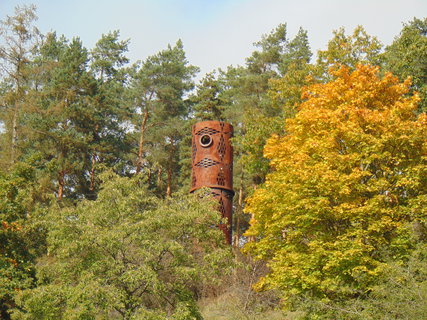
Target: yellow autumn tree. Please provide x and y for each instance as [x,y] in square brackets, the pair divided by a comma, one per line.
[347,188]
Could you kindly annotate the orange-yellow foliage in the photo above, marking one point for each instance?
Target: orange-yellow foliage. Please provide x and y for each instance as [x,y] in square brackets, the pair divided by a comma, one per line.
[348,181]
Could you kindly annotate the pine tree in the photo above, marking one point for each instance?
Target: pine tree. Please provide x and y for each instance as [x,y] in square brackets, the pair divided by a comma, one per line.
[246,95]
[159,89]
[109,144]
[207,101]
[60,115]
[407,57]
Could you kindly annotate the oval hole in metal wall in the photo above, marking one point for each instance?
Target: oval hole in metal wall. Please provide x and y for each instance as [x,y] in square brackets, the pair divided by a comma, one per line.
[206,141]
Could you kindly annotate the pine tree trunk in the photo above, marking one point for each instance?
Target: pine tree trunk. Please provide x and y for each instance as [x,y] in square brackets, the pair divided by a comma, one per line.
[169,185]
[170,168]
[149,176]
[14,141]
[252,238]
[92,175]
[94,160]
[159,177]
[142,141]
[61,184]
[239,213]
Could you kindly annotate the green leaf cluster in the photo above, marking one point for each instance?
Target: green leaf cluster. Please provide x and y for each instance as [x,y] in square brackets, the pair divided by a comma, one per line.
[126,255]
[20,239]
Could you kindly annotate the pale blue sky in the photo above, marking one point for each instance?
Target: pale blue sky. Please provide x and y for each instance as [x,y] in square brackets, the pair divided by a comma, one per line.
[216,33]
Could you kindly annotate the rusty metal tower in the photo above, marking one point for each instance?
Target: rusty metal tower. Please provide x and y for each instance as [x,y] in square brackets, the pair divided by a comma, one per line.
[212,166]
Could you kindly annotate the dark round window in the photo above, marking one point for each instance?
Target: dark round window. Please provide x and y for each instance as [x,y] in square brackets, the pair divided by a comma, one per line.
[205,140]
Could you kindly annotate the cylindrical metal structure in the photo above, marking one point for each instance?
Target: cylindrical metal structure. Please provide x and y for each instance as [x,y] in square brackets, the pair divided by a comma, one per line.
[212,166]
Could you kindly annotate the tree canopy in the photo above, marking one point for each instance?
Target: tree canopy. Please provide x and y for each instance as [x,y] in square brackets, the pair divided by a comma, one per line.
[348,185]
[329,165]
[127,255]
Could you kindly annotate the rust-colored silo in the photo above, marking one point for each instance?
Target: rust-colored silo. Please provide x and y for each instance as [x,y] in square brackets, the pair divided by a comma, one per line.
[212,166]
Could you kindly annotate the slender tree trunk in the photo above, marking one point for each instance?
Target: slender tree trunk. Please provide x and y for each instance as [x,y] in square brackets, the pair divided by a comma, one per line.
[169,185]
[239,212]
[94,160]
[14,144]
[61,184]
[19,94]
[252,238]
[159,177]
[170,169]
[142,140]
[149,174]
[92,174]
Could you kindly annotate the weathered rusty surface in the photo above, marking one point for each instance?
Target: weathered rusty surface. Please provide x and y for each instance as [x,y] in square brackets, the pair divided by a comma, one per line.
[225,200]
[212,165]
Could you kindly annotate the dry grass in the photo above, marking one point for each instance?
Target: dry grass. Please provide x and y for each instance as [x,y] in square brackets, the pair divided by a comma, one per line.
[238,301]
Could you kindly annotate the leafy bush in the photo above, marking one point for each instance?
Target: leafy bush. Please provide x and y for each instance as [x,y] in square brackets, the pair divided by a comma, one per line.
[127,255]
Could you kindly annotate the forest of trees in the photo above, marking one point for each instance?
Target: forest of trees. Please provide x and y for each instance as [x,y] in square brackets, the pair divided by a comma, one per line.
[330,174]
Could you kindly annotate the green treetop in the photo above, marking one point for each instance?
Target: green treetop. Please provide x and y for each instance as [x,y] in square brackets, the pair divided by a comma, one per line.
[407,57]
[127,255]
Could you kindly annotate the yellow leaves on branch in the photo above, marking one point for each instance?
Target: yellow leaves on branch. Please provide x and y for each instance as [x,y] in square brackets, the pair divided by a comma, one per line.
[349,178]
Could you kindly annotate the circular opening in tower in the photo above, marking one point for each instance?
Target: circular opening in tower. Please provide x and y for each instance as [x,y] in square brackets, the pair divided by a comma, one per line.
[205,141]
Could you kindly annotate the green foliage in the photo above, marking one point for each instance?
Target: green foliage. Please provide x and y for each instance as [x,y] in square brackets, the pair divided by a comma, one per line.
[108,56]
[285,92]
[20,239]
[246,95]
[58,116]
[109,143]
[350,50]
[161,112]
[400,293]
[298,52]
[208,102]
[338,205]
[19,42]
[71,116]
[407,56]
[126,254]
